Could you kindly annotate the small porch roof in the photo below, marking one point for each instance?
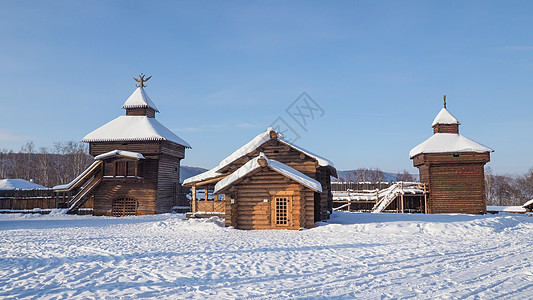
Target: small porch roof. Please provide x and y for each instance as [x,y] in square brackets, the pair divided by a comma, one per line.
[122,153]
[254,165]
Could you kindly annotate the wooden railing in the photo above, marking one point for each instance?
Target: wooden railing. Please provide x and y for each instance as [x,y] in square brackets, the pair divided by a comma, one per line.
[211,206]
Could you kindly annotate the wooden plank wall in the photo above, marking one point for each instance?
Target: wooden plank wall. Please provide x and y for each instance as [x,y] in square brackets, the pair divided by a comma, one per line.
[109,189]
[457,189]
[168,183]
[145,191]
[456,181]
[28,203]
[144,147]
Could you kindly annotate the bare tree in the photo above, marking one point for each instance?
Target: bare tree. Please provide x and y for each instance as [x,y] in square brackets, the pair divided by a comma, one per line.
[405,176]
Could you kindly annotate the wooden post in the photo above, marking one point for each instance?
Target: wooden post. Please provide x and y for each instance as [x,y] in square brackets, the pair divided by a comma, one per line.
[401,197]
[425,199]
[193,198]
[206,193]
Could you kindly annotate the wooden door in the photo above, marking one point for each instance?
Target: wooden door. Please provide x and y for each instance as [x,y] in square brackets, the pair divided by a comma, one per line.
[281,211]
[124,206]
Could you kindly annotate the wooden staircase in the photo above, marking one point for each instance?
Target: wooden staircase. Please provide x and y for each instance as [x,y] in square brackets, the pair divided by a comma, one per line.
[83,194]
[83,185]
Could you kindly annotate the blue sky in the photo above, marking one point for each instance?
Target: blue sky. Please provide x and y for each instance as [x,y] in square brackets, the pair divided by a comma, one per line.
[223,71]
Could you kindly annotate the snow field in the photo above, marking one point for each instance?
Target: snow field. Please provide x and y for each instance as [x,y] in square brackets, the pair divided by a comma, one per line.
[355,255]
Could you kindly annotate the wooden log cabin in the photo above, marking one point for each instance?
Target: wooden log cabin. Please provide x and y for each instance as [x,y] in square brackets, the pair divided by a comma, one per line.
[137,163]
[269,183]
[452,166]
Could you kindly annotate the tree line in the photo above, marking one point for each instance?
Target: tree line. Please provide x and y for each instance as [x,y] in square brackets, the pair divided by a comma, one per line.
[64,161]
[59,164]
[508,190]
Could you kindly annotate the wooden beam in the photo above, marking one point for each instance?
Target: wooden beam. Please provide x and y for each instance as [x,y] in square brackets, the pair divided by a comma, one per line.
[194,199]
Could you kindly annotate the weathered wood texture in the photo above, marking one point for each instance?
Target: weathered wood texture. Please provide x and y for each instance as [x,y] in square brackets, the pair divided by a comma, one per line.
[276,150]
[168,183]
[143,111]
[456,181]
[446,128]
[211,206]
[110,189]
[253,203]
[159,188]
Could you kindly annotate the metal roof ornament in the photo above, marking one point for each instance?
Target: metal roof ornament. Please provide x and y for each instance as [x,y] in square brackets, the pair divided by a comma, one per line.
[141,80]
[444,99]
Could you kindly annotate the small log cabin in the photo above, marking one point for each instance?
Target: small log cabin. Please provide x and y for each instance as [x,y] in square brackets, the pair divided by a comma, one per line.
[137,163]
[266,194]
[269,183]
[452,166]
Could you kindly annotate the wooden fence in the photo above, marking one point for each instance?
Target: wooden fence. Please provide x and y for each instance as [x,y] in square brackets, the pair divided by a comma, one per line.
[359,186]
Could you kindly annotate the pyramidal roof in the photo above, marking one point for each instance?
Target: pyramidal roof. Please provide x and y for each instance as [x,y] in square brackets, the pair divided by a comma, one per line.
[448,143]
[444,117]
[139,99]
[133,128]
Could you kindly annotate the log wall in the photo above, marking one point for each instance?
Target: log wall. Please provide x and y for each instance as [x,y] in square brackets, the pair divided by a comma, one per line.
[168,183]
[109,189]
[456,181]
[249,209]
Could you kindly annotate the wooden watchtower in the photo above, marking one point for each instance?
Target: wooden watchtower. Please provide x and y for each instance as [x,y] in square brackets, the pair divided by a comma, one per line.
[453,168]
[139,161]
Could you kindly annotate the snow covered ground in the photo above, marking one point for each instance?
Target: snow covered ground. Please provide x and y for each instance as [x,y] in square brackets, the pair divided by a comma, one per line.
[355,255]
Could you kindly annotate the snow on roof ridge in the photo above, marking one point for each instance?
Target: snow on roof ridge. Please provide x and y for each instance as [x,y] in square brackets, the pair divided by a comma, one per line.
[528,203]
[249,147]
[133,128]
[277,166]
[448,143]
[261,139]
[20,184]
[139,98]
[117,152]
[445,117]
[202,176]
[323,162]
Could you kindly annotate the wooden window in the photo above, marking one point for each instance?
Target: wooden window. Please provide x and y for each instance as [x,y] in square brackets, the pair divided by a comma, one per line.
[281,211]
[124,206]
[140,168]
[120,168]
[131,168]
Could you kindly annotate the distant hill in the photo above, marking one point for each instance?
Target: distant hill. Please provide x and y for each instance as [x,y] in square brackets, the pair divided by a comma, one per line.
[186,172]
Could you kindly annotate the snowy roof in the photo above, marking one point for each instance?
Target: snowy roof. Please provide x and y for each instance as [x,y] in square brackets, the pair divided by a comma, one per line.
[260,140]
[203,176]
[20,184]
[281,168]
[133,128]
[512,209]
[448,143]
[528,203]
[139,99]
[119,153]
[250,147]
[444,117]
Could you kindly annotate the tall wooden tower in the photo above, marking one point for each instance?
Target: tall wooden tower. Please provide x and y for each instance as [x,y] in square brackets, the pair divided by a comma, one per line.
[453,167]
[140,160]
